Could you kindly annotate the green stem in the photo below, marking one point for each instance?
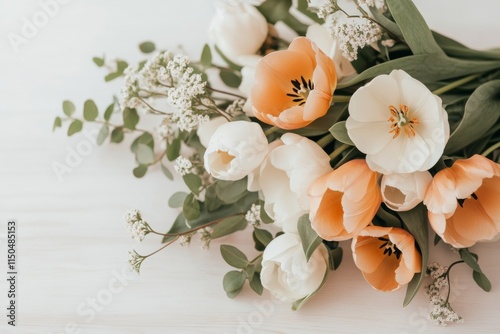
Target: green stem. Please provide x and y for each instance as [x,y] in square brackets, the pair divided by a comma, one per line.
[165,246]
[256,258]
[339,151]
[271,130]
[224,92]
[455,84]
[327,139]
[341,98]
[491,149]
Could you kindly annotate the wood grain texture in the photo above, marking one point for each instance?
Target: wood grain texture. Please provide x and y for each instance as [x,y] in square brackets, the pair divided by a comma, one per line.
[72,242]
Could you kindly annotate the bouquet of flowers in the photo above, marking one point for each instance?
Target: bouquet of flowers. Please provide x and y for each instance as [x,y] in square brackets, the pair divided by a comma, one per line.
[319,128]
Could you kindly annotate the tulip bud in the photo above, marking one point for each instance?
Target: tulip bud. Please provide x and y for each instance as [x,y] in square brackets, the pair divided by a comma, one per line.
[402,192]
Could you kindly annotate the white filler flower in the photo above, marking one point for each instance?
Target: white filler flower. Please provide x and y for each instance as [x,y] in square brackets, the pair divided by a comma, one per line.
[285,271]
[235,149]
[400,125]
[402,192]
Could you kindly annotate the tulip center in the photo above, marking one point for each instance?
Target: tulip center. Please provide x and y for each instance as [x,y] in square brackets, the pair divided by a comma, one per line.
[401,121]
[300,90]
[389,247]
[225,158]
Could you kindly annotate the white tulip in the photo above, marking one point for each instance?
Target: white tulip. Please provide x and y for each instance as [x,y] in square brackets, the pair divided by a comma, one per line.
[286,174]
[248,79]
[402,192]
[329,45]
[237,28]
[235,149]
[285,271]
[207,129]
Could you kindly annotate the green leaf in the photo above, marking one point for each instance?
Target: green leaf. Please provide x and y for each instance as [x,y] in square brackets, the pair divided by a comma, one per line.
[121,65]
[469,259]
[233,283]
[335,257]
[206,56]
[117,135]
[233,256]
[177,199]
[385,22]
[387,219]
[482,112]
[140,171]
[211,200]
[249,271]
[145,155]
[263,236]
[299,303]
[230,78]
[482,281]
[231,191]
[229,225]
[146,138]
[167,172]
[102,135]
[455,49]
[310,239]
[416,223]
[193,182]
[416,33]
[109,111]
[263,214]
[426,68]
[147,47]
[256,284]
[75,127]
[191,207]
[90,111]
[98,61]
[130,118]
[275,10]
[173,149]
[339,131]
[296,25]
[57,123]
[68,108]
[229,63]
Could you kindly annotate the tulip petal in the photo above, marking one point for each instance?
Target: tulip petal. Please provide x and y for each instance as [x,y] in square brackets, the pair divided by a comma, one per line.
[370,138]
[328,221]
[384,277]
[488,195]
[368,254]
[472,222]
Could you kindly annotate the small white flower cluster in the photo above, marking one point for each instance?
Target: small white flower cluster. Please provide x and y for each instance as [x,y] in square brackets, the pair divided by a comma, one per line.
[253,215]
[129,95]
[327,8]
[185,240]
[188,121]
[235,107]
[183,166]
[166,129]
[135,260]
[205,236]
[441,311]
[379,4]
[136,226]
[353,34]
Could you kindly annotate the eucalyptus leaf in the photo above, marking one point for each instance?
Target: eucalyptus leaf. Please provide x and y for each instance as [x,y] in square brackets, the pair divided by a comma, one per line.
[173,149]
[117,135]
[339,131]
[256,284]
[57,123]
[233,283]
[231,191]
[230,78]
[416,223]
[140,171]
[211,200]
[206,56]
[482,112]
[310,239]
[145,155]
[193,182]
[109,111]
[177,199]
[147,47]
[191,207]
[68,108]
[167,172]
[231,64]
[98,61]
[264,236]
[303,7]
[146,138]
[130,118]
[90,111]
[233,256]
[229,225]
[75,127]
[102,135]
[275,10]
[416,33]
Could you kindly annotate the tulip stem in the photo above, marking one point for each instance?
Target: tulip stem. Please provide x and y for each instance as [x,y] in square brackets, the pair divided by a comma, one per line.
[341,98]
[455,84]
[339,151]
[271,130]
[491,149]
[327,139]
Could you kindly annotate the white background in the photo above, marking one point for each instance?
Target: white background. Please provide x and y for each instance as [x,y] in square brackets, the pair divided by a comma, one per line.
[72,242]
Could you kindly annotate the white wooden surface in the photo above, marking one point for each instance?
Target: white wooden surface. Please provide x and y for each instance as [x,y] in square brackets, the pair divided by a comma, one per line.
[72,242]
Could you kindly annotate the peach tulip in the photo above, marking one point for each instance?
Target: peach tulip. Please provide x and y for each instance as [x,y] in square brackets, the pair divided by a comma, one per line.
[344,201]
[386,256]
[462,201]
[293,87]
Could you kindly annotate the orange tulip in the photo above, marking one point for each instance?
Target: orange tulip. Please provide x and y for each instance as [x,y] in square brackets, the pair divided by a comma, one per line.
[386,256]
[293,87]
[462,201]
[344,201]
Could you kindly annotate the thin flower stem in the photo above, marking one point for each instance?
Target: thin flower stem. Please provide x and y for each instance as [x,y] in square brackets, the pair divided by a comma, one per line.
[327,139]
[491,149]
[109,124]
[447,274]
[456,84]
[159,112]
[224,92]
[339,151]
[161,248]
[256,258]
[341,98]
[271,130]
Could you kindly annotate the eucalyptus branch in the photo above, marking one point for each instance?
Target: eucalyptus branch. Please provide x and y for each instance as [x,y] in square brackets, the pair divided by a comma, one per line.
[225,92]
[107,123]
